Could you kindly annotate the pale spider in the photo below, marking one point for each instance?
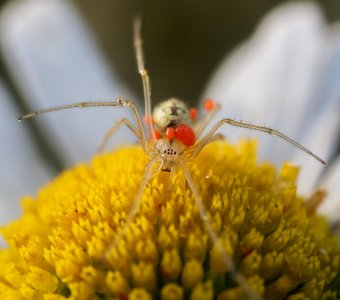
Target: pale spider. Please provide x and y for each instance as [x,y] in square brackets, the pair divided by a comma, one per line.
[174,139]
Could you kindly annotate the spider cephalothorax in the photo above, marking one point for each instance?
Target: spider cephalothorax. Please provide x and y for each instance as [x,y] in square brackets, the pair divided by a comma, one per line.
[173,120]
[170,113]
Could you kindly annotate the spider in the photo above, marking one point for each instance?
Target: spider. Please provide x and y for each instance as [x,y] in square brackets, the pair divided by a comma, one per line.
[172,138]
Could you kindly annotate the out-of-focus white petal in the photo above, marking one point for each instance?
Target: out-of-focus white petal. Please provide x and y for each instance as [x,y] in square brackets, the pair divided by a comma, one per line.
[268,81]
[54,61]
[325,128]
[331,183]
[22,171]
[322,125]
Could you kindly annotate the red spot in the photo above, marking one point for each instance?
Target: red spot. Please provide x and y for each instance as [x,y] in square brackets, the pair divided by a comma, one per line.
[208,104]
[193,113]
[170,133]
[185,135]
[148,120]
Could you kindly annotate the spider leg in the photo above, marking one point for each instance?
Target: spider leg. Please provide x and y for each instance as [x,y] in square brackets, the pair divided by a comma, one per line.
[148,174]
[203,123]
[138,43]
[119,102]
[170,182]
[268,130]
[238,278]
[85,104]
[111,131]
[214,137]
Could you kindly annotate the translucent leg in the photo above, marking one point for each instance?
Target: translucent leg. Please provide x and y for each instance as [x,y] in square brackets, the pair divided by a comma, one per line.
[148,174]
[206,139]
[226,257]
[170,183]
[215,137]
[119,102]
[110,132]
[203,123]
[138,42]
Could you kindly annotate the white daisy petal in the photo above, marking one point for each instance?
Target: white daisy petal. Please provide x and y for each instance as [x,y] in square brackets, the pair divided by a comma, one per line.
[54,60]
[19,159]
[268,80]
[322,126]
[320,135]
[330,182]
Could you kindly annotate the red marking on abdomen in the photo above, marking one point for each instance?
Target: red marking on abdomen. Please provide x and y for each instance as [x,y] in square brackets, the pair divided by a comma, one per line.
[185,135]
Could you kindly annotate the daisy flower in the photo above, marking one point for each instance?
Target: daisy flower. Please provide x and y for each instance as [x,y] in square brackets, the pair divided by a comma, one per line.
[61,247]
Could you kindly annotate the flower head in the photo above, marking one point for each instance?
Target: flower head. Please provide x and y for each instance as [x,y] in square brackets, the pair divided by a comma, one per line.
[59,247]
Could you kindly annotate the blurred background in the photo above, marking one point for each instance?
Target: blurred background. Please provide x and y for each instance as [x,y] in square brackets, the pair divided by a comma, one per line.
[57,52]
[184,40]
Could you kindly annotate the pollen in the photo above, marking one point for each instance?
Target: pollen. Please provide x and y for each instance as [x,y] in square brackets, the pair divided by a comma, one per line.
[62,245]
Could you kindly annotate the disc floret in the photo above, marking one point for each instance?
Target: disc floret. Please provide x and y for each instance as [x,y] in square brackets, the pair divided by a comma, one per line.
[57,248]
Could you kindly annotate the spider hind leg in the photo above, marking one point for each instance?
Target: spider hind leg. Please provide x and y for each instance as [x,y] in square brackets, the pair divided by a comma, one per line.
[218,245]
[114,128]
[148,174]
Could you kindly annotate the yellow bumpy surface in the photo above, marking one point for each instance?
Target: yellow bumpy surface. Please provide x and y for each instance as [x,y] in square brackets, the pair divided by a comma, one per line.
[61,247]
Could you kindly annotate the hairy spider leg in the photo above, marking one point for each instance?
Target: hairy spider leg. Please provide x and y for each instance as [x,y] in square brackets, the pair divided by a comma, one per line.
[170,182]
[119,102]
[138,43]
[206,119]
[213,138]
[148,174]
[114,128]
[237,277]
[206,139]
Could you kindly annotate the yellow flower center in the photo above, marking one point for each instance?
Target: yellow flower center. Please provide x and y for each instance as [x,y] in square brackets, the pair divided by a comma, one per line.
[62,245]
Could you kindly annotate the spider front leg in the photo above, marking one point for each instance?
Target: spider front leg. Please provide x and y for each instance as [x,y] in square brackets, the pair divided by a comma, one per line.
[111,132]
[143,139]
[206,139]
[138,43]
[149,173]
[190,156]
[119,102]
